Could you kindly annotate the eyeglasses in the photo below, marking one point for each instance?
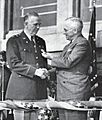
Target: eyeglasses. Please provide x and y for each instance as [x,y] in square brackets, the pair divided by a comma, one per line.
[37,24]
[68,30]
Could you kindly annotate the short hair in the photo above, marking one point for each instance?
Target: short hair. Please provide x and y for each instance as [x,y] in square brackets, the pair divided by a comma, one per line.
[30,14]
[76,23]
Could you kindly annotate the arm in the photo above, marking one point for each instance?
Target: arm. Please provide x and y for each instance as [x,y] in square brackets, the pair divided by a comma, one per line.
[70,60]
[15,62]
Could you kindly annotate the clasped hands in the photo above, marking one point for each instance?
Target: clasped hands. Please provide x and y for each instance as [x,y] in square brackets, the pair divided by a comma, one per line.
[42,73]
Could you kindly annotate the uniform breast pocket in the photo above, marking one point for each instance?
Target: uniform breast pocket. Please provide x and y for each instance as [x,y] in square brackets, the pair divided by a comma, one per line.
[25,54]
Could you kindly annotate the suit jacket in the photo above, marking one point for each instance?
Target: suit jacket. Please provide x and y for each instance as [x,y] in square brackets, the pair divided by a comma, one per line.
[23,59]
[72,70]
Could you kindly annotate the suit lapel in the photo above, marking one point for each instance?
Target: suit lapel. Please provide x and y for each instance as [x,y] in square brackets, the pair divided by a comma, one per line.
[71,46]
[68,48]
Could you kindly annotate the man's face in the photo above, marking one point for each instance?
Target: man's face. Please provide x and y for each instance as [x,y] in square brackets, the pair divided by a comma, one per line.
[69,31]
[32,25]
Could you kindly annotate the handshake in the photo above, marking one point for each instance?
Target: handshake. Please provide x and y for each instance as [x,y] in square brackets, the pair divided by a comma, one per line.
[42,73]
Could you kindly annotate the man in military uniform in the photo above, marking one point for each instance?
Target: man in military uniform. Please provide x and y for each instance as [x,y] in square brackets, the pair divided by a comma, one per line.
[29,73]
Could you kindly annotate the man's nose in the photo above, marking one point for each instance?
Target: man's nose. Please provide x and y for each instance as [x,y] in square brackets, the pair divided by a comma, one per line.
[64,32]
[38,26]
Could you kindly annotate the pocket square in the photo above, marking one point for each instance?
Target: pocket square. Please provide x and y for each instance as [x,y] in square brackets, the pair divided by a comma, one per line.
[69,50]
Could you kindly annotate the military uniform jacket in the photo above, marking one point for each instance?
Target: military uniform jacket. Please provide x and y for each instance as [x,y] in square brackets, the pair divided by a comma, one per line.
[72,70]
[24,58]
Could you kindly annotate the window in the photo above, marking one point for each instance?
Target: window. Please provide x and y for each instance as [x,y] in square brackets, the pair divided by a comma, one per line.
[86,6]
[46,9]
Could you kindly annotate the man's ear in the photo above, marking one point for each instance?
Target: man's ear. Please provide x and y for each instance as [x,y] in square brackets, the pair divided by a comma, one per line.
[25,23]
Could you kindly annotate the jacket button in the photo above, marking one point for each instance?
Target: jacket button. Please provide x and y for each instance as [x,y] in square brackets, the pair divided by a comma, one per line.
[26,41]
[24,49]
[19,75]
[37,65]
[36,57]
[35,51]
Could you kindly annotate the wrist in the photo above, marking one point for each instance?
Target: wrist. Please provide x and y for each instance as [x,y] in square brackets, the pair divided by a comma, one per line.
[51,57]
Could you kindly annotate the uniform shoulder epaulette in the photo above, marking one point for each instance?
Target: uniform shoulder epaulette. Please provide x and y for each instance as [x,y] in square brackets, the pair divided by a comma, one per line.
[39,38]
[15,36]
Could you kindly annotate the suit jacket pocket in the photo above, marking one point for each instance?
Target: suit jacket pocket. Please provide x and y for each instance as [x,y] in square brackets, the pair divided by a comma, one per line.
[26,54]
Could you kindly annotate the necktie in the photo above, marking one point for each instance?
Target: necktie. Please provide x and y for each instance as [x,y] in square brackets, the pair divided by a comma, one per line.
[31,37]
[32,40]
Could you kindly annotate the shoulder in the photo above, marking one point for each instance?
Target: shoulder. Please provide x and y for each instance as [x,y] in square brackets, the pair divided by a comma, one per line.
[15,36]
[40,39]
[82,40]
[13,39]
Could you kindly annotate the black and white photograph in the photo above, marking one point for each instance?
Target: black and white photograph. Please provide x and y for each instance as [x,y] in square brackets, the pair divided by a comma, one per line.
[50,60]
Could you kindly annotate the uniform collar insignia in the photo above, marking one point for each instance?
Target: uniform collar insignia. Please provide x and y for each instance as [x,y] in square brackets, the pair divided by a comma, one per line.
[69,50]
[24,38]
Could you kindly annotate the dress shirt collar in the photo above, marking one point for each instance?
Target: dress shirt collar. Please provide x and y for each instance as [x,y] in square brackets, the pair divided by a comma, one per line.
[27,35]
[75,37]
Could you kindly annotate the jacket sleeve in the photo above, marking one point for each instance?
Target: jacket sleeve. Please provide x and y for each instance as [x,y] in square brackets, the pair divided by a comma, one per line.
[69,60]
[14,60]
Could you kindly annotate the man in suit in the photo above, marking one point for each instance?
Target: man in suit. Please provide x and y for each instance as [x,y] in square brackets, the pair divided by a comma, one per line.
[28,77]
[72,68]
